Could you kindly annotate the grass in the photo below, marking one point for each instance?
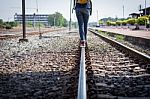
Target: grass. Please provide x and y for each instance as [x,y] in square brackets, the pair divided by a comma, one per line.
[103,33]
[119,37]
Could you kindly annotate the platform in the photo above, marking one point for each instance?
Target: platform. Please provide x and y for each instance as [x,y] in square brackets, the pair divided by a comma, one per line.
[128,32]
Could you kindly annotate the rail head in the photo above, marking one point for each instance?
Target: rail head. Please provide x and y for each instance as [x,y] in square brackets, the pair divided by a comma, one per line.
[82,77]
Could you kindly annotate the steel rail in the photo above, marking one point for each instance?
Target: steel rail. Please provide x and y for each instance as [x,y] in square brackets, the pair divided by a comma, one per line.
[82,77]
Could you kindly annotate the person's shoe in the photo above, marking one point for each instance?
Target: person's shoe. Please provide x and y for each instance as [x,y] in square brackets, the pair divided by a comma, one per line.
[82,43]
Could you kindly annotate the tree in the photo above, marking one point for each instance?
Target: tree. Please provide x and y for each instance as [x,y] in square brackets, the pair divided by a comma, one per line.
[13,24]
[57,19]
[1,23]
[100,22]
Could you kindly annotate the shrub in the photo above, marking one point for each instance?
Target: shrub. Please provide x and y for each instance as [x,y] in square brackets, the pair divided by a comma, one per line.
[131,21]
[142,20]
[13,24]
[113,23]
[8,26]
[124,22]
[119,37]
[108,23]
[118,23]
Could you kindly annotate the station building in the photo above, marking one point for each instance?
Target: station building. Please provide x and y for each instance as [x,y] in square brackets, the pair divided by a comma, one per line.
[32,18]
[142,13]
[147,11]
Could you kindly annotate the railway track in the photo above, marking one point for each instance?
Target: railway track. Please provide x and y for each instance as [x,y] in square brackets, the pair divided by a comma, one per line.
[115,72]
[16,34]
[50,68]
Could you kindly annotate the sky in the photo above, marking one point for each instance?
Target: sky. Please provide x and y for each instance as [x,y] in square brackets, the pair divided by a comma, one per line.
[105,8]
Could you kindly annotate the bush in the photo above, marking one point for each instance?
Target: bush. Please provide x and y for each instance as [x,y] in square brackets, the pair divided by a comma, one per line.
[124,22]
[119,37]
[118,23]
[108,23]
[8,26]
[113,23]
[142,20]
[131,21]
[13,24]
[148,17]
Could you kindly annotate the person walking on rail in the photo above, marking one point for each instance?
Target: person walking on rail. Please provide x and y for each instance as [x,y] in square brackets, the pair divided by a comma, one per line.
[83,9]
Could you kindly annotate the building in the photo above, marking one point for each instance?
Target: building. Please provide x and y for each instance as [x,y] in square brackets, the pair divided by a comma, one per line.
[147,11]
[33,18]
[142,13]
[134,15]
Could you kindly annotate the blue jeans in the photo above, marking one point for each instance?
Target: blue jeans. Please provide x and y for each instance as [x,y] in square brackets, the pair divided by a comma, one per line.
[83,18]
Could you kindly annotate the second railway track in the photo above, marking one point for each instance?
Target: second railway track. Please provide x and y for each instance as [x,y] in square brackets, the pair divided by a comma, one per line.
[115,73]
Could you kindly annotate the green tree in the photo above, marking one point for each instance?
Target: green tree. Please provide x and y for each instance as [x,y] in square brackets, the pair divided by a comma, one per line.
[100,22]
[13,24]
[65,24]
[57,19]
[1,23]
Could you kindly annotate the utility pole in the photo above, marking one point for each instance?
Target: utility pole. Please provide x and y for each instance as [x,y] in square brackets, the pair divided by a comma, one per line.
[97,19]
[37,10]
[70,15]
[23,23]
[145,13]
[123,11]
[54,20]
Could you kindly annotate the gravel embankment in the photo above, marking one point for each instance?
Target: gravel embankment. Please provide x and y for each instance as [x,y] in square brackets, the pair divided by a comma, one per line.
[41,68]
